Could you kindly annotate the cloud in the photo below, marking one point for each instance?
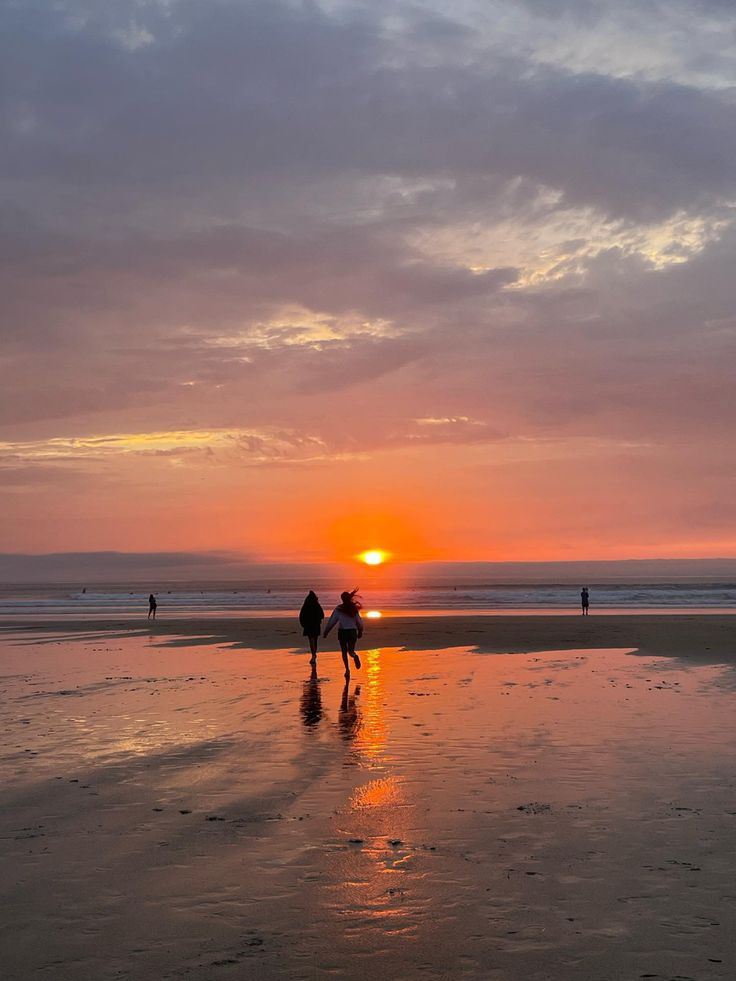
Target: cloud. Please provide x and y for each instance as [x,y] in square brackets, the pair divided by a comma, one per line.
[221,446]
[276,234]
[292,93]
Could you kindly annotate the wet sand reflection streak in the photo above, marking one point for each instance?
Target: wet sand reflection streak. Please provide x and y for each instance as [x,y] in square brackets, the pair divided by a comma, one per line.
[375,888]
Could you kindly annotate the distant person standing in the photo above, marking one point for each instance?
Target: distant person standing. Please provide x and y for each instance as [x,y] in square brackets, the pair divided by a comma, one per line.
[585,600]
[349,627]
[152,604]
[311,616]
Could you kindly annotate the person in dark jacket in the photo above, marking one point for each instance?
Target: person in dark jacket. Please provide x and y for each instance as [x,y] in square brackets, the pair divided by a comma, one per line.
[311,616]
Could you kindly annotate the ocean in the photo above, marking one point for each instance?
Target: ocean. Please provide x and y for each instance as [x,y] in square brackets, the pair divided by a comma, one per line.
[285,597]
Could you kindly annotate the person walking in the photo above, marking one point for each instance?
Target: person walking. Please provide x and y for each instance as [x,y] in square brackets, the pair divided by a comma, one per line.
[311,616]
[349,627]
[152,604]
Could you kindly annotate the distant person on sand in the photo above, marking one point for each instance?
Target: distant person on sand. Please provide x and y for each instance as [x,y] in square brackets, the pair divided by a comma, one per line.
[585,600]
[311,616]
[152,607]
[349,627]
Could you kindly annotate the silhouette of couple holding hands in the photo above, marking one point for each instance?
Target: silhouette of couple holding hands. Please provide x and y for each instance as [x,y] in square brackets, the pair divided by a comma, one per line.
[346,617]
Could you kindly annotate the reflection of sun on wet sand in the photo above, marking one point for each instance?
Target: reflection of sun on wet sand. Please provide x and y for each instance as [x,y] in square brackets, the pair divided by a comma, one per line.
[372,735]
[213,811]
[377,793]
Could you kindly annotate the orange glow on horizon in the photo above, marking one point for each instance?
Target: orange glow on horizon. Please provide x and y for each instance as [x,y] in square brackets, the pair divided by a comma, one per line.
[374,614]
[393,532]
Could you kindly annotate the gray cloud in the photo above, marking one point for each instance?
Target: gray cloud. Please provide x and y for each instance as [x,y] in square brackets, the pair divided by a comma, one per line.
[243,91]
[236,214]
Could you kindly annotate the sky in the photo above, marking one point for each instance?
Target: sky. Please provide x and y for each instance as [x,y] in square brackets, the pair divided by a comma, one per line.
[296,279]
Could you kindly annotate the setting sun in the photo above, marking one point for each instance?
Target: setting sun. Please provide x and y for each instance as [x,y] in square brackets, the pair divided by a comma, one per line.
[373,557]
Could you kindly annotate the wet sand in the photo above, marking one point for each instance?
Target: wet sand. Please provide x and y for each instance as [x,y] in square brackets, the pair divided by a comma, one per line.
[703,637]
[182,807]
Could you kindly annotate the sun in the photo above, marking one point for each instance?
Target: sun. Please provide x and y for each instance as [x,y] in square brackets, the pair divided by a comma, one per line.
[373,556]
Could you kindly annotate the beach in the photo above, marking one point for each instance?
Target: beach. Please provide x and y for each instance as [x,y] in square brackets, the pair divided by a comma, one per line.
[695,636]
[531,797]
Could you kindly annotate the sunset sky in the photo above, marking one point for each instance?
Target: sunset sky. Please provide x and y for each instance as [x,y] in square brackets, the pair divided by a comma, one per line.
[299,279]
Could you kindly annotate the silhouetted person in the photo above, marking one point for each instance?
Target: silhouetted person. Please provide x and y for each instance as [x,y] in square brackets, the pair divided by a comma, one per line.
[311,703]
[152,607]
[585,600]
[349,627]
[311,616]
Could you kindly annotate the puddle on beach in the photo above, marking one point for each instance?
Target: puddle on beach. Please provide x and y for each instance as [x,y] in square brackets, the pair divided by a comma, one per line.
[174,810]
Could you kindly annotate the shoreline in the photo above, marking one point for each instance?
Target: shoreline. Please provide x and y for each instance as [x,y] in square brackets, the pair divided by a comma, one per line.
[705,638]
[408,613]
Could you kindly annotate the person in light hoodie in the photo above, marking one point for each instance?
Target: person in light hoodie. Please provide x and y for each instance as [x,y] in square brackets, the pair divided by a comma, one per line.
[349,627]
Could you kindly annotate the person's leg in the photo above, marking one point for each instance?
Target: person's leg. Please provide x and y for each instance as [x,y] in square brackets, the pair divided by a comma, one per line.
[352,639]
[344,648]
[313,648]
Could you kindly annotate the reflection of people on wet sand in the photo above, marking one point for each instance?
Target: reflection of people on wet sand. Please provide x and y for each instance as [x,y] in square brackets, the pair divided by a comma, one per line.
[349,627]
[311,616]
[585,600]
[151,607]
[311,702]
[348,718]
